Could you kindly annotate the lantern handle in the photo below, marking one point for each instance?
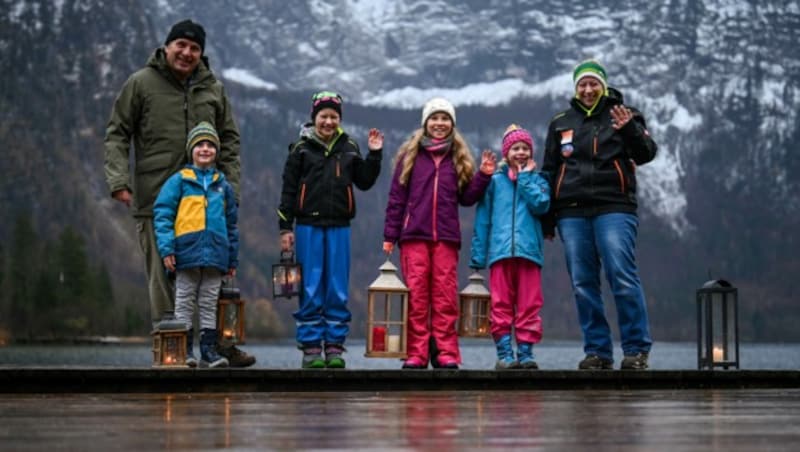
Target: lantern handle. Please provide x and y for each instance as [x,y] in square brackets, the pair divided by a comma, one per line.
[287,257]
[229,281]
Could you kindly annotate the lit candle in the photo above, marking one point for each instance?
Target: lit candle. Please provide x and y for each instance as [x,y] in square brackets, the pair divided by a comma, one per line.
[718,354]
[394,343]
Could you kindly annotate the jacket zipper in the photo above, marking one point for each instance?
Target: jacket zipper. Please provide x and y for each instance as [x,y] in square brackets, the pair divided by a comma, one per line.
[514,222]
[560,178]
[435,198]
[350,200]
[621,176]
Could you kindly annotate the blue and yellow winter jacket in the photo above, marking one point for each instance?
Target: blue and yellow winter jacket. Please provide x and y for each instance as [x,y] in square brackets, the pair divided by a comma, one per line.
[195,217]
[507,219]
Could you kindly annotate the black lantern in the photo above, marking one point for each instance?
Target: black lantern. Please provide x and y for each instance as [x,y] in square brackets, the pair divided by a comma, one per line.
[387,315]
[169,342]
[287,277]
[230,313]
[474,303]
[717,325]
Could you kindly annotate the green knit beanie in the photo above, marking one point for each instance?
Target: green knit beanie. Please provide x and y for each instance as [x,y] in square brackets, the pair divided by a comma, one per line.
[203,131]
[590,68]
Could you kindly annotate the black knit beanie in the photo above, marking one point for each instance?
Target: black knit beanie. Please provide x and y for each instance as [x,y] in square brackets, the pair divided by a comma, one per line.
[188,30]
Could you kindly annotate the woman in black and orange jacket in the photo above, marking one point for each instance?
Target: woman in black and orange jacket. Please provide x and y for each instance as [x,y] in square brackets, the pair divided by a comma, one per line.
[591,153]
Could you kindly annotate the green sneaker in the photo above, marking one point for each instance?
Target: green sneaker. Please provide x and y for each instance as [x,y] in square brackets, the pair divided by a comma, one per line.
[333,356]
[312,357]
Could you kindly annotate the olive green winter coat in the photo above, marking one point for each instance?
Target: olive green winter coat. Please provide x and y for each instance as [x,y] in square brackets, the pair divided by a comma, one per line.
[157,111]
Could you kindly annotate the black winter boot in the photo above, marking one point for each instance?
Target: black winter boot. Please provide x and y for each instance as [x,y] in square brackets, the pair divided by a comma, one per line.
[208,350]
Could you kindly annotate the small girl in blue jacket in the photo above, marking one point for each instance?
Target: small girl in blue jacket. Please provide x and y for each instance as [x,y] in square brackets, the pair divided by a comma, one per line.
[195,216]
[508,237]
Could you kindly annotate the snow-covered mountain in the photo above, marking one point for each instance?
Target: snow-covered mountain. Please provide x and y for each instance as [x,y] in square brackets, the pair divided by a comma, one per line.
[717,80]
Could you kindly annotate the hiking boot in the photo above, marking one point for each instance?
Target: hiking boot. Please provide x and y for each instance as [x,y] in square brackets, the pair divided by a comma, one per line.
[415,363]
[333,356]
[594,362]
[505,354]
[191,361]
[208,350]
[635,362]
[525,356]
[235,356]
[312,357]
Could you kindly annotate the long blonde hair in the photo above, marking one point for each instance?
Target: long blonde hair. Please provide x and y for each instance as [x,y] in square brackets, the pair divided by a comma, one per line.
[462,157]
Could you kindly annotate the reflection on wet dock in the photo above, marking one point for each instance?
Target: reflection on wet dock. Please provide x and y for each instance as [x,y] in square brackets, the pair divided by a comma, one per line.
[613,420]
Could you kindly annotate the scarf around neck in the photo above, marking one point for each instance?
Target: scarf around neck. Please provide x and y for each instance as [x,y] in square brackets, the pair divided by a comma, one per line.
[435,145]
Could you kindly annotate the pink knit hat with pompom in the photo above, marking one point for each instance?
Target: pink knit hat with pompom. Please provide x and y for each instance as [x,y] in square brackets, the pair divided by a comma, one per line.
[514,134]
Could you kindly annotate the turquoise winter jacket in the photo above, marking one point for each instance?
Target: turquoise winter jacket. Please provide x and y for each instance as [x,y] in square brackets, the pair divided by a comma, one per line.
[195,216]
[507,219]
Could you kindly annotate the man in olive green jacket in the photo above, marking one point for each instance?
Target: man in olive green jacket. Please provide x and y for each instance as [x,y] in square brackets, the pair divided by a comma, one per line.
[156,108]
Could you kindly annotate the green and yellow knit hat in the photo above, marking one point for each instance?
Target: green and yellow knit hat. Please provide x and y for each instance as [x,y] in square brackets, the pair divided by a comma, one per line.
[590,68]
[203,131]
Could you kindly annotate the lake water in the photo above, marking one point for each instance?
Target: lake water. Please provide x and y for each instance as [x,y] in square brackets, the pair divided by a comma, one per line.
[476,354]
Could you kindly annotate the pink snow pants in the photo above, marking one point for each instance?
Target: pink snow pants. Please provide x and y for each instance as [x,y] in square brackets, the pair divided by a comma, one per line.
[430,271]
[516,288]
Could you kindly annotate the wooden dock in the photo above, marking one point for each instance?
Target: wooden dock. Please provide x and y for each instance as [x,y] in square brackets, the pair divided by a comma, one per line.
[148,380]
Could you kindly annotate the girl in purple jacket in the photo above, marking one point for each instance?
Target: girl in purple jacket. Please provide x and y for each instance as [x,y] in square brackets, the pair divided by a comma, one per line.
[434,173]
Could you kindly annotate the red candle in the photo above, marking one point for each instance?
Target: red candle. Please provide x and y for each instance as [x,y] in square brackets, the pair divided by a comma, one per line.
[379,339]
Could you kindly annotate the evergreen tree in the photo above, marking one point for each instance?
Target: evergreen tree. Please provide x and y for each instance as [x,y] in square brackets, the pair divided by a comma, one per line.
[22,274]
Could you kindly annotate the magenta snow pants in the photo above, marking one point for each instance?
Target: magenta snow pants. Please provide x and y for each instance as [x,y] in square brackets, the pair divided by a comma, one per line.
[431,273]
[516,288]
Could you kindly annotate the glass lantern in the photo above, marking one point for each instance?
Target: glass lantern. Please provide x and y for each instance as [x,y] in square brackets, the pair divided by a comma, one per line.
[717,326]
[387,315]
[474,303]
[230,313]
[169,342]
[287,277]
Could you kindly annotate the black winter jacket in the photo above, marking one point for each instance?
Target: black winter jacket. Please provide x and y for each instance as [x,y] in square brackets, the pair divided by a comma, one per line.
[592,167]
[318,181]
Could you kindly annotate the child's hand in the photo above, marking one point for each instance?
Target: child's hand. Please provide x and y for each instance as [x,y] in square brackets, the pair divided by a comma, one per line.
[488,162]
[169,262]
[530,166]
[287,240]
[388,247]
[375,140]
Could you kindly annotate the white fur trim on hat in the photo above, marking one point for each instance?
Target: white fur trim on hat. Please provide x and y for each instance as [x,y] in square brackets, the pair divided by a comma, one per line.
[438,104]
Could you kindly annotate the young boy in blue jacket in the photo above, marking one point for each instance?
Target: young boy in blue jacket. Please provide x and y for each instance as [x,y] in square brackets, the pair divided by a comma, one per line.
[195,217]
[508,238]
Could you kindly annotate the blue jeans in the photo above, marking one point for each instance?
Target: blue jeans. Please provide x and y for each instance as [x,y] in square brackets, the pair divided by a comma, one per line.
[324,253]
[609,239]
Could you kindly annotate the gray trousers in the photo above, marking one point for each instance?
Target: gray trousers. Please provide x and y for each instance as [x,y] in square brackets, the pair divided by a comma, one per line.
[159,286]
[201,286]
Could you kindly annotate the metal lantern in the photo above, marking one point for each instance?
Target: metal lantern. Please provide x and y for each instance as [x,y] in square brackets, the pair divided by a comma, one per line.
[169,342]
[717,325]
[230,313]
[474,302]
[287,277]
[387,315]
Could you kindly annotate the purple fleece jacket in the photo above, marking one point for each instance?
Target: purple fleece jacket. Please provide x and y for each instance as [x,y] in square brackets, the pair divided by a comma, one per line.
[426,208]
